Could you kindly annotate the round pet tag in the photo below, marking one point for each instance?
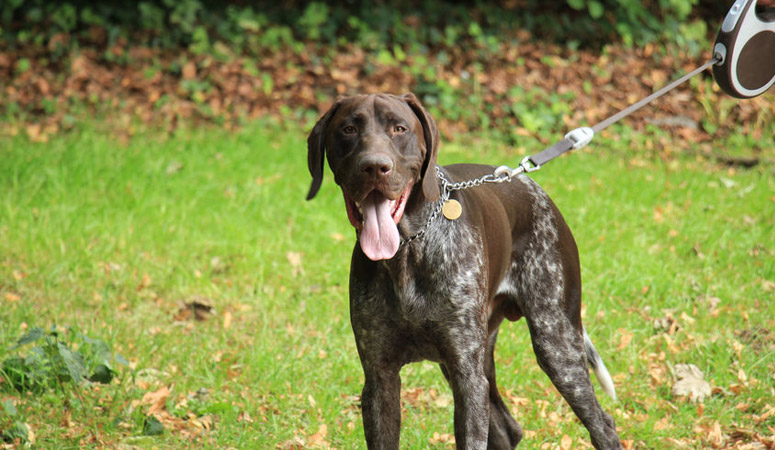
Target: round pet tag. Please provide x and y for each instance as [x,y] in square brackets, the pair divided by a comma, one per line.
[452,209]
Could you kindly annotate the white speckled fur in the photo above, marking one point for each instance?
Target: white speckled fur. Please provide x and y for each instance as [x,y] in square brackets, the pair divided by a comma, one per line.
[443,296]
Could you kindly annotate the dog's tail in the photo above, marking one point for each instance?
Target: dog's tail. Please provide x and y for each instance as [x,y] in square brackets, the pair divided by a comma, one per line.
[596,363]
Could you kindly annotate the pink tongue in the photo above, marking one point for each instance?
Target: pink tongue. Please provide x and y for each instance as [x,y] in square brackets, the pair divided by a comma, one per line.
[379,236]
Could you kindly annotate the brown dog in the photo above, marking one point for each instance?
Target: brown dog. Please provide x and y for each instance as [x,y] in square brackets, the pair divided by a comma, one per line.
[423,286]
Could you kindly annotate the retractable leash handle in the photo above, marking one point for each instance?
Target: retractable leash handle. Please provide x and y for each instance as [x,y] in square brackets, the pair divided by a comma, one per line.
[746,46]
[743,65]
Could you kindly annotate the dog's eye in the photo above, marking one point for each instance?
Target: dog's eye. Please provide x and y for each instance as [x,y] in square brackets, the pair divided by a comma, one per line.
[400,129]
[349,129]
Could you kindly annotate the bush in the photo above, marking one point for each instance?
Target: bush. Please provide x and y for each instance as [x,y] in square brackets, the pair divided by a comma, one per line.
[250,29]
[635,21]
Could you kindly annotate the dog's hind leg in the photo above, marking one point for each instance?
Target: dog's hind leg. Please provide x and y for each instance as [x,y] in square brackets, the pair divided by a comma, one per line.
[560,351]
[548,283]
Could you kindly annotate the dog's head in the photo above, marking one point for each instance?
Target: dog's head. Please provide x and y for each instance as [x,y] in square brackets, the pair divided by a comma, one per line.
[379,147]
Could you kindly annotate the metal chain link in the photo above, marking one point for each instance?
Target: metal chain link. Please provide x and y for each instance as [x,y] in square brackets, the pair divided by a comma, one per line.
[499,176]
[436,210]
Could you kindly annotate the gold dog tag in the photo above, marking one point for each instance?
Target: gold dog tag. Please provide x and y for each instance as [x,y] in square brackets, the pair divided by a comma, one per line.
[452,209]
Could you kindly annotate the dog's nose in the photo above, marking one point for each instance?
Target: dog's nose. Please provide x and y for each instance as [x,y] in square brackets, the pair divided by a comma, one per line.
[376,165]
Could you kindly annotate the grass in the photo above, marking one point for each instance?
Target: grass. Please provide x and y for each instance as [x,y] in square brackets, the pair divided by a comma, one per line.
[121,241]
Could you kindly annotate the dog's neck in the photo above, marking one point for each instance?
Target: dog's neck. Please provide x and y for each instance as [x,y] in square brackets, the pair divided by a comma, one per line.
[418,211]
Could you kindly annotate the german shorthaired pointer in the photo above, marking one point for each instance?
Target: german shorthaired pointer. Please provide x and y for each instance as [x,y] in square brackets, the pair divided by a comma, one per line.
[424,286]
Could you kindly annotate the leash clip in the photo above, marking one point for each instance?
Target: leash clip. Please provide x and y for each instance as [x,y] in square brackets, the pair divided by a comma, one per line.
[527,165]
[580,137]
[507,173]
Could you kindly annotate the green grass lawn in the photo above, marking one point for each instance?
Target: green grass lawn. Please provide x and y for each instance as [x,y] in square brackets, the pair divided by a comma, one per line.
[120,241]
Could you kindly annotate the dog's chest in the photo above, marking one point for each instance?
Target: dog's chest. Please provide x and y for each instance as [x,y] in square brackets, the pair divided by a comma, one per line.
[432,292]
[439,277]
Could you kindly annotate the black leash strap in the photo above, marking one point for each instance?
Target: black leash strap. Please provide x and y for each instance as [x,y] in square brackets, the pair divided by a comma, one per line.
[580,137]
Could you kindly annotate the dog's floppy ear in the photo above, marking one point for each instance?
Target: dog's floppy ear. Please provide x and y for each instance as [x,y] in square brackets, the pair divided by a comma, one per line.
[430,187]
[316,149]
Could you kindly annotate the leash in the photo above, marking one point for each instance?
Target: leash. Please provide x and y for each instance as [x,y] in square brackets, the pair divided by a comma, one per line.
[743,66]
[581,137]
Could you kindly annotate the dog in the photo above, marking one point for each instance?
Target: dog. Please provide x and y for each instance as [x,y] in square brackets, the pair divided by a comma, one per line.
[431,286]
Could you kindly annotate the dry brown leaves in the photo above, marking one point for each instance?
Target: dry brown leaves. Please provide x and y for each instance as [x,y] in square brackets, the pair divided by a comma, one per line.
[186,426]
[163,88]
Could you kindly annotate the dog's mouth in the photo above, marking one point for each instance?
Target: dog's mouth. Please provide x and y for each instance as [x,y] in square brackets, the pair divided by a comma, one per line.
[375,219]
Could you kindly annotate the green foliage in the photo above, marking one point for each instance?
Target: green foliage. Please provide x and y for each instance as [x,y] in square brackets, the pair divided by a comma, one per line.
[594,7]
[312,21]
[538,112]
[632,21]
[183,14]
[249,28]
[59,359]
[151,16]
[152,426]
[11,428]
[16,431]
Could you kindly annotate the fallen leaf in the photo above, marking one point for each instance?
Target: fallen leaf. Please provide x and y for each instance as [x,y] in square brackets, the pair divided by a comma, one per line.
[319,438]
[516,400]
[294,259]
[671,345]
[659,215]
[662,424]
[244,416]
[189,70]
[667,324]
[742,377]
[227,320]
[697,251]
[412,396]
[199,309]
[144,283]
[34,132]
[157,400]
[338,237]
[728,183]
[625,338]
[769,411]
[442,438]
[716,435]
[443,400]
[690,383]
[174,167]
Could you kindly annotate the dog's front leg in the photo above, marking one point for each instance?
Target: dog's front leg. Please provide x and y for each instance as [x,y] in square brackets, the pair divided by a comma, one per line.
[380,357]
[381,403]
[470,392]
